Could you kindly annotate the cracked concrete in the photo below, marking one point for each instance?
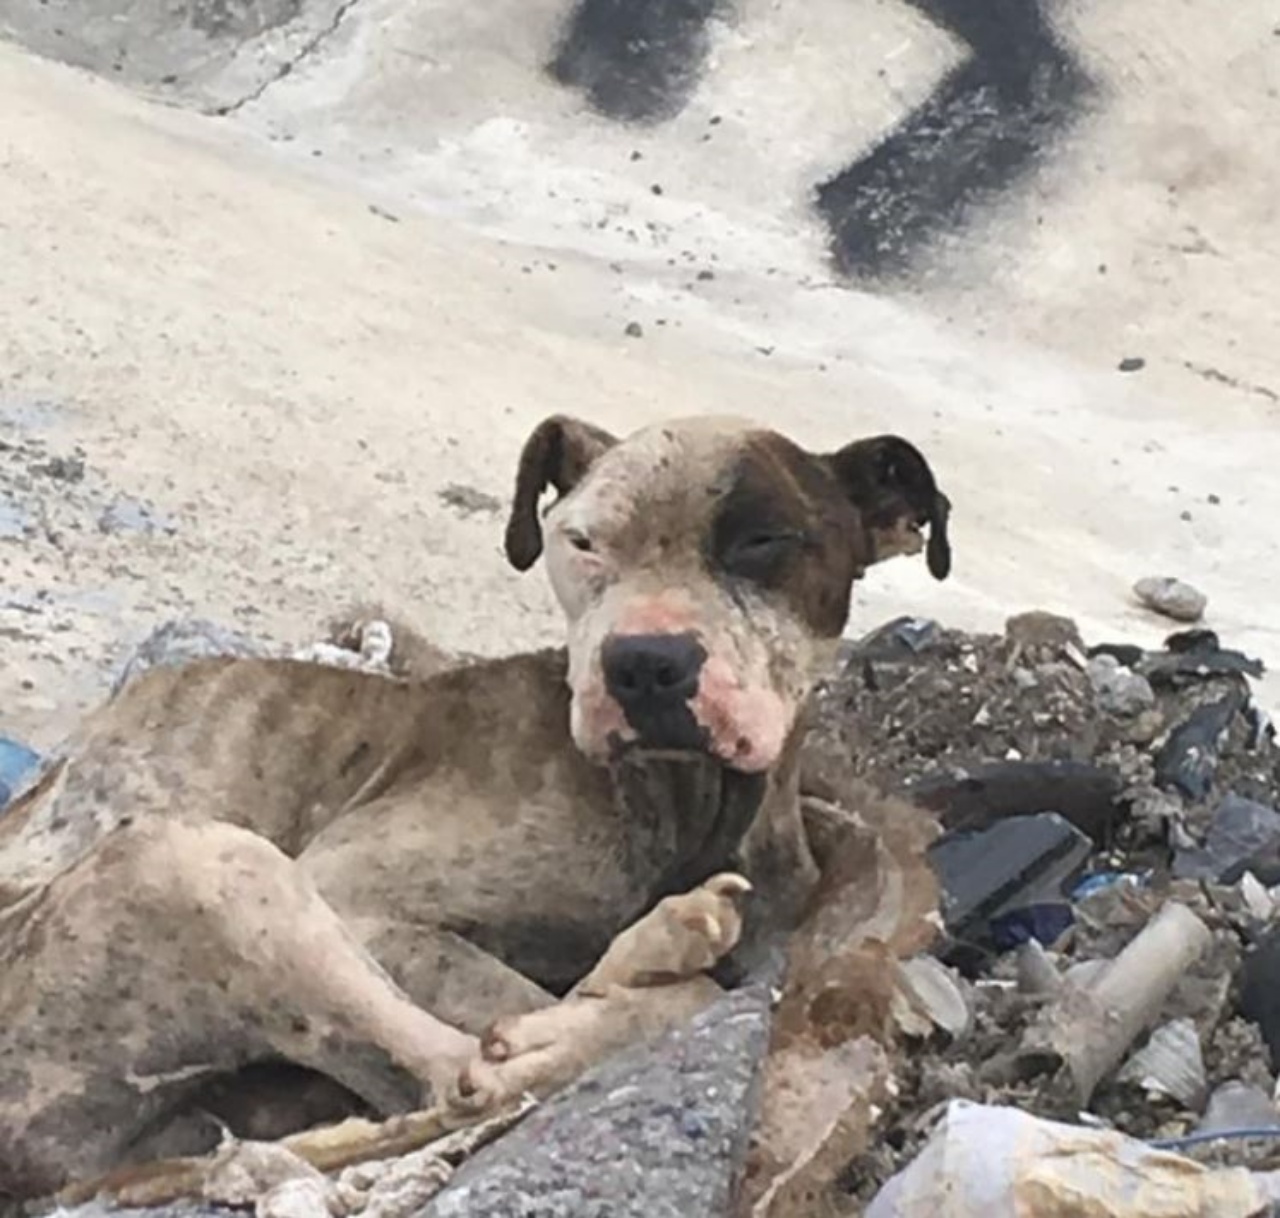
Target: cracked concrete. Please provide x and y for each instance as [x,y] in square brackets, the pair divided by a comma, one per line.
[211,55]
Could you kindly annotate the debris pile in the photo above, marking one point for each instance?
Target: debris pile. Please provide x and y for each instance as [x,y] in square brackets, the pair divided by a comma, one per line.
[1109,865]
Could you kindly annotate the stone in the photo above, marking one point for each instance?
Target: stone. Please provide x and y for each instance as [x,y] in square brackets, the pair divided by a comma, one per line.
[1171,597]
[1119,690]
[659,1131]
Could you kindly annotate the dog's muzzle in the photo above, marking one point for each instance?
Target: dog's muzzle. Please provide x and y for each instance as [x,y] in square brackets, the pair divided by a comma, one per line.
[654,678]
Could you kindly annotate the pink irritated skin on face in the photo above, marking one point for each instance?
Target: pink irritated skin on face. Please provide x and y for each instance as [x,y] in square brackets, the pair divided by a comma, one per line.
[747,726]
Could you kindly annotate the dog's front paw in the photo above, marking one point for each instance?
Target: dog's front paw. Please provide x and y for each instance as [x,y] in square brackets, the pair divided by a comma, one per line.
[681,937]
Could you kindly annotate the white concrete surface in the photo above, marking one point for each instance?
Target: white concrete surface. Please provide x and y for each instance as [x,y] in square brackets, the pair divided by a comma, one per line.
[232,327]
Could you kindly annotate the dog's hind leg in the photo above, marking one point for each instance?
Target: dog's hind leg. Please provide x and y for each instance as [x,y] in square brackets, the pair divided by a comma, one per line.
[172,952]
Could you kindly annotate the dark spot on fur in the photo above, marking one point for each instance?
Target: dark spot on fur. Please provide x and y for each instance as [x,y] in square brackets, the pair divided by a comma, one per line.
[784,526]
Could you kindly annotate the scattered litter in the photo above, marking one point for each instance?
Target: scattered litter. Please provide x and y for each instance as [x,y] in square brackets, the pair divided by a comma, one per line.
[17,764]
[1243,836]
[1170,1063]
[1013,867]
[1236,1105]
[997,1162]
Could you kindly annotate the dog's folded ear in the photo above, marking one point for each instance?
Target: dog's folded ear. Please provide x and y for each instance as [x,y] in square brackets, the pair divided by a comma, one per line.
[557,454]
[893,488]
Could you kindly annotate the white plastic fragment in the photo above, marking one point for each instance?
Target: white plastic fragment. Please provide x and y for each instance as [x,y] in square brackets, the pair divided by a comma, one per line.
[992,1162]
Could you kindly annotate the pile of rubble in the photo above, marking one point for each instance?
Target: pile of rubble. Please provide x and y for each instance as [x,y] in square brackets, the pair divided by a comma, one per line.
[1108,866]
[1042,976]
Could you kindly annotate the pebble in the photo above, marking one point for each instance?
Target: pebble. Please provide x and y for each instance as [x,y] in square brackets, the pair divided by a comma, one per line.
[1119,690]
[1171,597]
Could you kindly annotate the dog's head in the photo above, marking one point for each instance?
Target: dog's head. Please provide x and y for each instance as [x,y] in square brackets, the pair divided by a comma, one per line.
[705,567]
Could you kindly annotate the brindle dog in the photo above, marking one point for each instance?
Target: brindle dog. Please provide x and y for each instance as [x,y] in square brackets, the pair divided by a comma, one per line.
[248,874]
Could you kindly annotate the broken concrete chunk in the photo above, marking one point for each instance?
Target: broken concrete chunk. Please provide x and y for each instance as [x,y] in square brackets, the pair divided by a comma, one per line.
[1171,597]
[990,1162]
[1243,836]
[1119,690]
[658,1131]
[1017,864]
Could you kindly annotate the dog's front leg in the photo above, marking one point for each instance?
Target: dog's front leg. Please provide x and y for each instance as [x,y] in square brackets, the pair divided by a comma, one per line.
[653,977]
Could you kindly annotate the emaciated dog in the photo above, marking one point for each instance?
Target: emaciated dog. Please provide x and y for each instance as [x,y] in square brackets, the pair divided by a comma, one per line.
[247,866]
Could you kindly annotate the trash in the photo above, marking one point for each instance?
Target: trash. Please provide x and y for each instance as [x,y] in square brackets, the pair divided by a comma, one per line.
[1189,759]
[1083,794]
[1170,1063]
[898,639]
[17,764]
[1016,864]
[1237,1105]
[1175,670]
[1260,991]
[1091,1025]
[996,1162]
[1044,923]
[1243,836]
[1171,597]
[1119,690]
[929,996]
[1101,881]
[1036,971]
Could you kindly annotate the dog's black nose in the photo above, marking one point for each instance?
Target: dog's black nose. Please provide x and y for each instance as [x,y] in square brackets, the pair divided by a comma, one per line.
[651,675]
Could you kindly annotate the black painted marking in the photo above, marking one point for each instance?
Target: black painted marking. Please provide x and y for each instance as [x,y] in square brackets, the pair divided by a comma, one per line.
[985,126]
[636,60]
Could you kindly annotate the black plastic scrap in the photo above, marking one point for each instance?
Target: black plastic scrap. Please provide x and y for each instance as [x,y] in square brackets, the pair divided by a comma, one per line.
[1189,758]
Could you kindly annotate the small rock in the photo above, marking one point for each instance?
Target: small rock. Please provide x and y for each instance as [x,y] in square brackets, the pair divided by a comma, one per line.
[1171,597]
[1132,363]
[1119,690]
[634,330]
[1243,836]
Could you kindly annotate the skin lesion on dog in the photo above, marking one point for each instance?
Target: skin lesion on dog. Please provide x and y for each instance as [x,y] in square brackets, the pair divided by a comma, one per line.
[393,875]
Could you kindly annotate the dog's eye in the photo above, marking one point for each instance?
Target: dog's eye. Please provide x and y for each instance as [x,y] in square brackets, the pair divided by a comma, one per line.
[580,541]
[757,555]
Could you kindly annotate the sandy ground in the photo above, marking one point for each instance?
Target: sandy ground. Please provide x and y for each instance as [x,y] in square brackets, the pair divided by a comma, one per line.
[299,380]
